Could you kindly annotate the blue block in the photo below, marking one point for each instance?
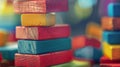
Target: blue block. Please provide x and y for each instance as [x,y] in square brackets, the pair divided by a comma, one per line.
[89,53]
[111,37]
[8,52]
[114,10]
[43,46]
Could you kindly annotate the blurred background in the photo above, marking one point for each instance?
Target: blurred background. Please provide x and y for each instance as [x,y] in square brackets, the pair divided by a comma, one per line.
[84,17]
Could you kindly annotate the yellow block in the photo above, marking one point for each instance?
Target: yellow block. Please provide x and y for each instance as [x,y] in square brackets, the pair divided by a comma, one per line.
[38,19]
[111,51]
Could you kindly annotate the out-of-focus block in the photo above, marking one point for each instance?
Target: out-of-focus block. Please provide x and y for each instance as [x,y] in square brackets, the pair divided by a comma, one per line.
[106,60]
[111,37]
[44,60]
[114,10]
[3,37]
[43,33]
[88,53]
[11,37]
[38,19]
[110,65]
[75,63]
[44,46]
[94,30]
[9,51]
[82,41]
[111,51]
[6,63]
[110,23]
[40,6]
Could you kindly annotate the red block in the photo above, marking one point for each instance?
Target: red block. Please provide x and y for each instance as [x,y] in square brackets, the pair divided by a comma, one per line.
[82,41]
[106,60]
[110,65]
[43,33]
[40,6]
[44,60]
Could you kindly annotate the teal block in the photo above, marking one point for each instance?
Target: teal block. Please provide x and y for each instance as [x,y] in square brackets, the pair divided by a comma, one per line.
[114,10]
[111,37]
[89,53]
[8,52]
[43,46]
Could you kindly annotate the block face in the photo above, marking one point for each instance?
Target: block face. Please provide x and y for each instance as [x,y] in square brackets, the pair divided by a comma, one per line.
[106,60]
[110,65]
[111,37]
[111,51]
[43,33]
[113,10]
[44,60]
[38,19]
[94,30]
[88,53]
[83,41]
[8,52]
[59,5]
[45,46]
[109,23]
[3,37]
[40,6]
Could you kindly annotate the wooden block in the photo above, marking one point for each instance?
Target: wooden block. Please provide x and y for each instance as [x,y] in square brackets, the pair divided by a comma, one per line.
[110,23]
[40,6]
[94,30]
[44,46]
[111,51]
[114,10]
[9,51]
[6,63]
[43,60]
[75,63]
[111,37]
[3,37]
[106,60]
[38,19]
[43,33]
[82,41]
[88,53]
[109,65]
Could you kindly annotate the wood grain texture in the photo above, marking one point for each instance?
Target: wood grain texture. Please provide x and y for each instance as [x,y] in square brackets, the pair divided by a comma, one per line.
[43,60]
[38,19]
[40,6]
[44,46]
[43,33]
[110,23]
[111,51]
[111,37]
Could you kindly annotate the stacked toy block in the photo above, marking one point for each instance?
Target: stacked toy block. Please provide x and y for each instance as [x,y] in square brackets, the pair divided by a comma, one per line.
[111,37]
[42,43]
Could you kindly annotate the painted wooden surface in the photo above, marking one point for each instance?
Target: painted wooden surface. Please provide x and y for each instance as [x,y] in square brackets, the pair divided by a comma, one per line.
[40,6]
[43,33]
[43,60]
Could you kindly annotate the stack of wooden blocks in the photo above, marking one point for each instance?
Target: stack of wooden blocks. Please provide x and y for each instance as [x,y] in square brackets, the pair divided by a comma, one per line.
[42,43]
[111,37]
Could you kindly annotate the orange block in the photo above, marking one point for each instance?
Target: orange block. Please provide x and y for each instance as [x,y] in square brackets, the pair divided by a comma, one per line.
[3,37]
[82,41]
[110,23]
[94,30]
